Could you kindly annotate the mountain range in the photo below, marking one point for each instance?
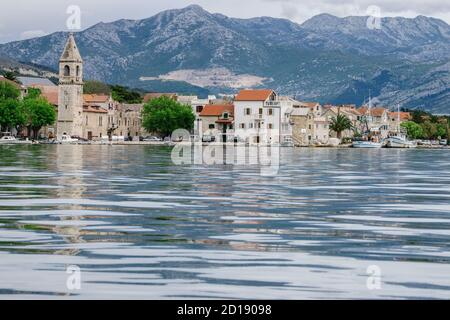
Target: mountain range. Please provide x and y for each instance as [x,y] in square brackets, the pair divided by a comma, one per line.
[326,59]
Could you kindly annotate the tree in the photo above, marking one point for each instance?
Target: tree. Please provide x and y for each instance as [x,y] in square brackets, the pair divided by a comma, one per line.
[96,87]
[340,123]
[413,129]
[429,130]
[38,113]
[33,93]
[164,115]
[10,114]
[8,91]
[441,131]
[124,95]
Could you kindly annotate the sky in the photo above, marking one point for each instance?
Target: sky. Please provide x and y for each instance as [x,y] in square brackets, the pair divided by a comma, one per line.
[22,19]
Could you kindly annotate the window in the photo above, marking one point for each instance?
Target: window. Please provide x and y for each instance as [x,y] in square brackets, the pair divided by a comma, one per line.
[260,111]
[199,109]
[66,71]
[250,125]
[270,112]
[87,122]
[212,126]
[310,127]
[225,115]
[100,121]
[78,71]
[248,111]
[269,126]
[242,126]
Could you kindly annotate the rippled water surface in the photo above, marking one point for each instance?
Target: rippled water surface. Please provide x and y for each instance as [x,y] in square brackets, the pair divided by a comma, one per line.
[140,227]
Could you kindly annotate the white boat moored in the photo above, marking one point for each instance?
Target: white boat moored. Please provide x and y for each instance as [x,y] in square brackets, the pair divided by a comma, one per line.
[367,145]
[8,139]
[400,141]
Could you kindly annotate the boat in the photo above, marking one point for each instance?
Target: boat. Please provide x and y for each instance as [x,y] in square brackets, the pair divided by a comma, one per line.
[9,139]
[66,139]
[399,139]
[367,144]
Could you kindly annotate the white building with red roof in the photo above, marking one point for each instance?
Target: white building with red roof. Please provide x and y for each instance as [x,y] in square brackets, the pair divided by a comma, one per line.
[217,121]
[262,117]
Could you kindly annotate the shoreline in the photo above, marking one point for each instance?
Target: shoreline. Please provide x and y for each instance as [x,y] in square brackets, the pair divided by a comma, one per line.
[168,144]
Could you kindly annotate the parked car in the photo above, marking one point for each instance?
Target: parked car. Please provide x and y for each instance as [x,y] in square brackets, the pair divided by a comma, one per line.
[209,138]
[424,143]
[118,138]
[443,142]
[152,139]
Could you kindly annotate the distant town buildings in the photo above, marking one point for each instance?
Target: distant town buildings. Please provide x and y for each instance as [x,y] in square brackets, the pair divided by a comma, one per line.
[255,116]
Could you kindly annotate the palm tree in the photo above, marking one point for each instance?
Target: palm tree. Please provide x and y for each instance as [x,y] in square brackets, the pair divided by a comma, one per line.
[340,123]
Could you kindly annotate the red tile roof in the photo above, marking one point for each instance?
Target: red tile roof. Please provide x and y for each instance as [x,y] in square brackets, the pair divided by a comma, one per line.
[95,98]
[51,93]
[211,110]
[404,116]
[375,112]
[52,97]
[254,95]
[94,109]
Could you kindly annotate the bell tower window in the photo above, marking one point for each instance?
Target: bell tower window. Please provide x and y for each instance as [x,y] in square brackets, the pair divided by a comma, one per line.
[78,71]
[66,71]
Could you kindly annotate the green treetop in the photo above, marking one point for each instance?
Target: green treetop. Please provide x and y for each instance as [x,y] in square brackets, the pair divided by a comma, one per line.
[164,115]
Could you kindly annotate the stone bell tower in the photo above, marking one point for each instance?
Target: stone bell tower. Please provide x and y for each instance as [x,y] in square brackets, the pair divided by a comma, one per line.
[70,98]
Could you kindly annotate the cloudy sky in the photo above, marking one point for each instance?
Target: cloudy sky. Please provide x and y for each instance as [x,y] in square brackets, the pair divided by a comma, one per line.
[21,19]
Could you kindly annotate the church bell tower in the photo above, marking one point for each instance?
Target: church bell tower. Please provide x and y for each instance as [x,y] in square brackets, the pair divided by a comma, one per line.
[70,100]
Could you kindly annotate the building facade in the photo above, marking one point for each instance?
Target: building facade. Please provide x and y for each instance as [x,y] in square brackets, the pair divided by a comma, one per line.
[70,92]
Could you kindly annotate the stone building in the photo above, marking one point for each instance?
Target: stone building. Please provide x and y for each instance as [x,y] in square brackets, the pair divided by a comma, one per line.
[217,120]
[303,126]
[89,116]
[70,95]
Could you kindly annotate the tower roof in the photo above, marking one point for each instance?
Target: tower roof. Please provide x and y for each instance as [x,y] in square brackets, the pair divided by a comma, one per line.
[71,53]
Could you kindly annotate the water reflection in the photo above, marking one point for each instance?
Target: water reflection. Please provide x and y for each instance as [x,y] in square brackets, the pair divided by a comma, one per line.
[141,227]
